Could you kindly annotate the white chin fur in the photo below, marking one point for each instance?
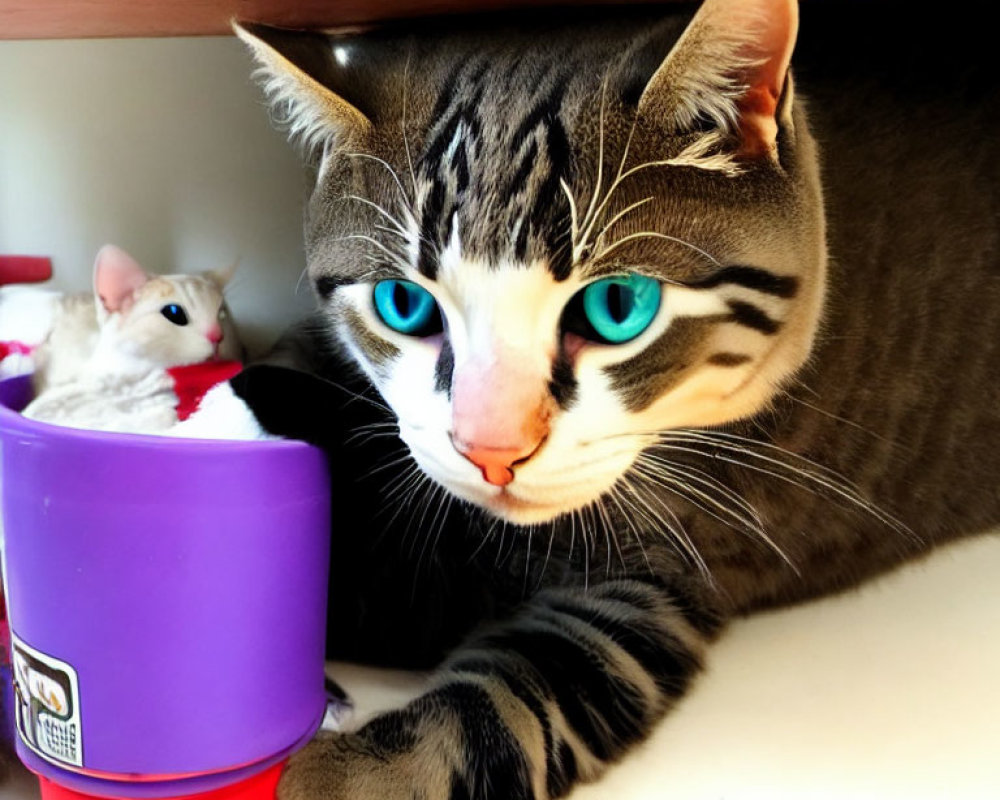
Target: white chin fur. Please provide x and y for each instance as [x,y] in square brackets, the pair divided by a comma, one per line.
[525,501]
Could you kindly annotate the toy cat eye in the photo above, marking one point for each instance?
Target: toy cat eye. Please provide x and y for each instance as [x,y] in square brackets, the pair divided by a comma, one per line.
[407,308]
[614,310]
[175,313]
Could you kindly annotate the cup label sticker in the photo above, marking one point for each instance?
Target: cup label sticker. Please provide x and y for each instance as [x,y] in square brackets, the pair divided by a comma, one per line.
[46,704]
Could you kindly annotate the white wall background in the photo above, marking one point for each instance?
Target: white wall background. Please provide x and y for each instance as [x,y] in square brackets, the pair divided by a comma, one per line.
[162,146]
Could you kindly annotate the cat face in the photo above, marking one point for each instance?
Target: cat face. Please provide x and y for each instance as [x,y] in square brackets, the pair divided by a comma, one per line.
[546,248]
[160,321]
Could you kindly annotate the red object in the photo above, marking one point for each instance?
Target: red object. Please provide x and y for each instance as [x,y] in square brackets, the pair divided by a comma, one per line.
[15,348]
[25,269]
[193,381]
[259,787]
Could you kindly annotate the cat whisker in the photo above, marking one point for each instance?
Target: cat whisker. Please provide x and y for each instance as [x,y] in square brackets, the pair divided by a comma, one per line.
[402,122]
[711,506]
[845,420]
[503,538]
[398,227]
[655,235]
[356,396]
[527,560]
[437,526]
[586,223]
[363,437]
[619,216]
[298,283]
[402,482]
[574,224]
[388,166]
[807,479]
[396,258]
[624,506]
[425,504]
[675,530]
[486,537]
[610,536]
[548,556]
[388,465]
[400,492]
[747,515]
[381,425]
[737,443]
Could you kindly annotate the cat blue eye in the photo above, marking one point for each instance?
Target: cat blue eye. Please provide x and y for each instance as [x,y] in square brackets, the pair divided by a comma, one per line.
[407,308]
[175,314]
[620,308]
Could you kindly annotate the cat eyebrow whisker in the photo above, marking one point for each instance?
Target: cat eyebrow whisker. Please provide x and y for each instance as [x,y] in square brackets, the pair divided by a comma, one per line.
[619,215]
[402,123]
[573,217]
[395,257]
[580,247]
[591,220]
[298,283]
[656,235]
[398,228]
[392,172]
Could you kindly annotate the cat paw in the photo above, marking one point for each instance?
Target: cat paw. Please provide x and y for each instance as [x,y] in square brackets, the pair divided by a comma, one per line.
[345,767]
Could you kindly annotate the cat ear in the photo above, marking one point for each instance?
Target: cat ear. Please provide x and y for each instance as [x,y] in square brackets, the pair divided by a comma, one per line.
[730,69]
[221,277]
[117,276]
[298,70]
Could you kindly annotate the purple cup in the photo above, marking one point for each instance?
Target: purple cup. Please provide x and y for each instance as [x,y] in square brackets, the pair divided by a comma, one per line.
[167,602]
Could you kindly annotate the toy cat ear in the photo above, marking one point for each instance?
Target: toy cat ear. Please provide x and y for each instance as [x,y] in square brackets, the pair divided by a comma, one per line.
[221,277]
[730,69]
[304,79]
[117,276]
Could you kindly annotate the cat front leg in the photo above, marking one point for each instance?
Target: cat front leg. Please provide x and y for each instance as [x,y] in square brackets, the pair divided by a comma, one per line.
[526,708]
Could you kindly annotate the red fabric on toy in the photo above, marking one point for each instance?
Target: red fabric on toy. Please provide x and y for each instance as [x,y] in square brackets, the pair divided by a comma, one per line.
[192,382]
[14,348]
[24,269]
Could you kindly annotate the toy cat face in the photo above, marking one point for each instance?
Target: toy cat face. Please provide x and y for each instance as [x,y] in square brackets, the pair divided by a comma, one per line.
[157,321]
[544,249]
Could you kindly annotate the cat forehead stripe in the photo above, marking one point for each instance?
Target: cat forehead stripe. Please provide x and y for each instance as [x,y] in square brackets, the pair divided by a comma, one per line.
[513,211]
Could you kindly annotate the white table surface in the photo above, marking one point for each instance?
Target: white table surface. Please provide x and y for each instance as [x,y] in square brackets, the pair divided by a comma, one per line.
[889,692]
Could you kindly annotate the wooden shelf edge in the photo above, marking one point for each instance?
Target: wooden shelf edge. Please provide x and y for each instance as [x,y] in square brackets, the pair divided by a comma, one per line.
[62,19]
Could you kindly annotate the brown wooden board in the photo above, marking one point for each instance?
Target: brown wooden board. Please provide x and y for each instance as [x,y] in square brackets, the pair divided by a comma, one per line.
[60,19]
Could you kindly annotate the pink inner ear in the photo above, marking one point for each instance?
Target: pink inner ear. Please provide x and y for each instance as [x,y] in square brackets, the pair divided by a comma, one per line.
[117,276]
[773,45]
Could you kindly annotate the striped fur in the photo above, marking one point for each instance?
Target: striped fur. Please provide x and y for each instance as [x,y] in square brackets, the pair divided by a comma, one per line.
[526,707]
[791,421]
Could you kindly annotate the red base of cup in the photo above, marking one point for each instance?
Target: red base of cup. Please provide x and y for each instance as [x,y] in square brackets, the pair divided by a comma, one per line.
[258,787]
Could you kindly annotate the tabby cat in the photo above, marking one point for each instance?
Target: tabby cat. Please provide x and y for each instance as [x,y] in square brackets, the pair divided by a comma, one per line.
[631,332]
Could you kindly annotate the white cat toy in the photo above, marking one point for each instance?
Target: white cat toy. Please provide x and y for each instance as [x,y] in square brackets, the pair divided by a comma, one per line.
[135,356]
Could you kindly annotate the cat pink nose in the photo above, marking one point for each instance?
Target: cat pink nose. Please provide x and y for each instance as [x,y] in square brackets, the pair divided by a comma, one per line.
[496,464]
[214,334]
